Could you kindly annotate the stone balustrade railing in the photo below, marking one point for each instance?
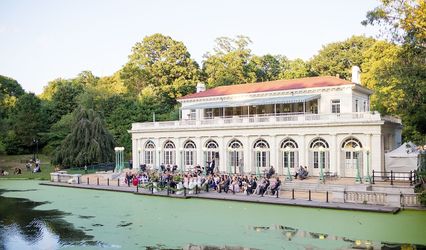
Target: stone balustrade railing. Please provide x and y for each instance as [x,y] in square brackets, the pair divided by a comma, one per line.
[365,197]
[290,118]
[62,176]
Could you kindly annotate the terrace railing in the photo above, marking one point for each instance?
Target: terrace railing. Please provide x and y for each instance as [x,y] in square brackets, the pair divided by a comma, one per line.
[290,118]
[393,177]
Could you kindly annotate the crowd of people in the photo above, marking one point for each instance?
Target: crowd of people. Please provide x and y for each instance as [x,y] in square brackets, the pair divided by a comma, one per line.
[236,183]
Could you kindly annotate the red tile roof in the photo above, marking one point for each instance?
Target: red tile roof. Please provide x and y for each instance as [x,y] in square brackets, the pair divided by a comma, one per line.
[301,83]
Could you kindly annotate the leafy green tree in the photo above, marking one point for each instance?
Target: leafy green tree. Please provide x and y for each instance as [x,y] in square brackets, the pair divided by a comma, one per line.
[89,141]
[404,22]
[162,63]
[296,68]
[64,100]
[339,57]
[266,68]
[230,64]
[26,123]
[57,133]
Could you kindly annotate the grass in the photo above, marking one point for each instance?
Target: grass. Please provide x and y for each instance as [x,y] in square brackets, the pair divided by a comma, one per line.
[10,162]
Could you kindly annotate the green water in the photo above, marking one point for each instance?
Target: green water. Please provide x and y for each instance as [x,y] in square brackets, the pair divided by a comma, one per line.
[75,218]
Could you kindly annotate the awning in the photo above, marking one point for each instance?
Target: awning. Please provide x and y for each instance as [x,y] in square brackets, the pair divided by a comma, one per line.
[254,102]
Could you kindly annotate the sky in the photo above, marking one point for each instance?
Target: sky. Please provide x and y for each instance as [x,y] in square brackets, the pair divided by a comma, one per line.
[47,39]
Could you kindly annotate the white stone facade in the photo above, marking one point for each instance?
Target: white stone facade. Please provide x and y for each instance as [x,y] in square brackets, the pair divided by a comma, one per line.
[251,139]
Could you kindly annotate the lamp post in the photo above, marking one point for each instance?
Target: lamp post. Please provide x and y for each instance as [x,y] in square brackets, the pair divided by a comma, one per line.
[368,177]
[321,175]
[358,179]
[182,166]
[287,150]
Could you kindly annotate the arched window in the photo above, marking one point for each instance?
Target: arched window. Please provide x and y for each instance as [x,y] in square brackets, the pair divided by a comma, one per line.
[261,154]
[169,153]
[352,157]
[289,153]
[149,153]
[319,156]
[189,153]
[211,151]
[236,156]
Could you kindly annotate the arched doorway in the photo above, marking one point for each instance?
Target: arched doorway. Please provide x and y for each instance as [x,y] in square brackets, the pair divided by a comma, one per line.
[150,154]
[352,157]
[189,154]
[261,156]
[289,155]
[236,157]
[319,156]
[211,154]
[169,154]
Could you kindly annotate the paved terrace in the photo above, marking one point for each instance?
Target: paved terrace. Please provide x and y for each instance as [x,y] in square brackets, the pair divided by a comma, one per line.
[317,199]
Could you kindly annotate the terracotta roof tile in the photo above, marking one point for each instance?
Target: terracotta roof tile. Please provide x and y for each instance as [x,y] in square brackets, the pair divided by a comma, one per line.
[301,83]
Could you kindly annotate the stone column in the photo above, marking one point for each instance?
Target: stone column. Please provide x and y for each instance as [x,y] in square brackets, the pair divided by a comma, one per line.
[135,152]
[223,150]
[274,152]
[303,151]
[248,163]
[334,154]
[377,153]
[200,156]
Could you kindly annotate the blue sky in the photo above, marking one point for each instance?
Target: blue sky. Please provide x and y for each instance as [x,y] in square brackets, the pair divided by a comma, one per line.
[47,39]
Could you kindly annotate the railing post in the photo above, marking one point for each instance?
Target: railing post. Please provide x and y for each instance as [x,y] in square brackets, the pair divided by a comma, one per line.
[391,177]
[310,195]
[326,196]
[97,181]
[118,182]
[87,180]
[184,191]
[107,181]
[78,179]
[233,189]
[196,189]
[411,178]
[292,194]
[373,176]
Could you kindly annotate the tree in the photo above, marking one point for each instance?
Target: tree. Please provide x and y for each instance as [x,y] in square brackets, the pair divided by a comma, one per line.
[266,68]
[64,100]
[230,64]
[26,123]
[162,63]
[339,57]
[404,22]
[89,141]
[295,69]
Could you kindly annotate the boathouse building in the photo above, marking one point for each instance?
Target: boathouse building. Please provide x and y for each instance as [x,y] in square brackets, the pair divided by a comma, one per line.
[319,122]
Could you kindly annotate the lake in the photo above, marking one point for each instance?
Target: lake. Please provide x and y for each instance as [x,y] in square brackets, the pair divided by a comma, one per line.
[34,216]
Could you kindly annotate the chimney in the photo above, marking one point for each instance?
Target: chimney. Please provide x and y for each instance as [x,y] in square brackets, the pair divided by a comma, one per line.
[356,75]
[201,87]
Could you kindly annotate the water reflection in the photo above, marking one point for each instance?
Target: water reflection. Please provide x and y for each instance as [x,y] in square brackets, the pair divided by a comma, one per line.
[23,227]
[290,234]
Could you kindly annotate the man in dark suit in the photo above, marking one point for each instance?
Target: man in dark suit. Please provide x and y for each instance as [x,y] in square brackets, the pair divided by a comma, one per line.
[251,185]
[211,167]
